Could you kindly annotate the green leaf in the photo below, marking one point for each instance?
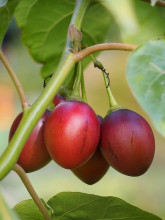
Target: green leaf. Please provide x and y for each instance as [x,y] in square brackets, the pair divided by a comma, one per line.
[5,212]
[98,23]
[70,205]
[45,25]
[6,12]
[149,22]
[146,77]
[27,210]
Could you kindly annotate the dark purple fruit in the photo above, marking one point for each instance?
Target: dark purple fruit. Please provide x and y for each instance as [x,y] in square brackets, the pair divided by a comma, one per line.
[127,142]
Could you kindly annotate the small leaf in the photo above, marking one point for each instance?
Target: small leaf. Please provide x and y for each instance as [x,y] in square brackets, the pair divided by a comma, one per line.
[45,25]
[70,205]
[6,12]
[146,77]
[27,210]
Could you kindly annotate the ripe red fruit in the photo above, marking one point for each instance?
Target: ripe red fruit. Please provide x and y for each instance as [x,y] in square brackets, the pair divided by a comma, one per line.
[34,154]
[58,99]
[95,168]
[72,133]
[127,142]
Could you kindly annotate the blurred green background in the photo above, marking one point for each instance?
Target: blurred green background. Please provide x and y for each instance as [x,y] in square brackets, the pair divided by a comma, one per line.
[147,191]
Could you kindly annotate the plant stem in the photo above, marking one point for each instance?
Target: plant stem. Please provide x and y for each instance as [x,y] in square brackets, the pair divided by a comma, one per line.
[112,101]
[15,80]
[76,89]
[161,3]
[106,46]
[84,97]
[32,115]
[98,64]
[21,173]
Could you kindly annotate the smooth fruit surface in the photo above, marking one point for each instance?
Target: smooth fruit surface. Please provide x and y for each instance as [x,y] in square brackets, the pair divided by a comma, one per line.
[72,133]
[34,154]
[127,142]
[95,168]
[58,99]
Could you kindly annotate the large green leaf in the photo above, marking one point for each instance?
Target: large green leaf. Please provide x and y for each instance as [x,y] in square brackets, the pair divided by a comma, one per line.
[70,205]
[6,13]
[146,77]
[45,25]
[27,210]
[75,206]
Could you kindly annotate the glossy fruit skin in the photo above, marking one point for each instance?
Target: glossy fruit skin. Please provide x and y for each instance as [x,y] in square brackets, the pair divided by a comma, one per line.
[58,99]
[127,142]
[34,154]
[72,133]
[95,168]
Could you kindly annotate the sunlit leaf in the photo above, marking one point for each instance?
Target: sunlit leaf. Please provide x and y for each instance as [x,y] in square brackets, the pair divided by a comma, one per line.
[146,77]
[74,205]
[149,22]
[45,25]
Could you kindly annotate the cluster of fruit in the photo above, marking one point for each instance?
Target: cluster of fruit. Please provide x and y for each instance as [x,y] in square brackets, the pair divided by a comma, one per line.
[77,139]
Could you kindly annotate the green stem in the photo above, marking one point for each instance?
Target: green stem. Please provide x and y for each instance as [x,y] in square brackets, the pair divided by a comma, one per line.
[76,89]
[32,114]
[112,101]
[21,173]
[83,90]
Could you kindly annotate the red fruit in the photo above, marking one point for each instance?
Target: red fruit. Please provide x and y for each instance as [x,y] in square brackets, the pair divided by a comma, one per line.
[95,168]
[127,142]
[71,133]
[34,154]
[58,99]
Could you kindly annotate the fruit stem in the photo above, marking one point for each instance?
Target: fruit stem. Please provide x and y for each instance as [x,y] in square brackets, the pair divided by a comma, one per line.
[77,84]
[101,47]
[15,80]
[112,101]
[98,64]
[21,173]
[76,87]
[83,90]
